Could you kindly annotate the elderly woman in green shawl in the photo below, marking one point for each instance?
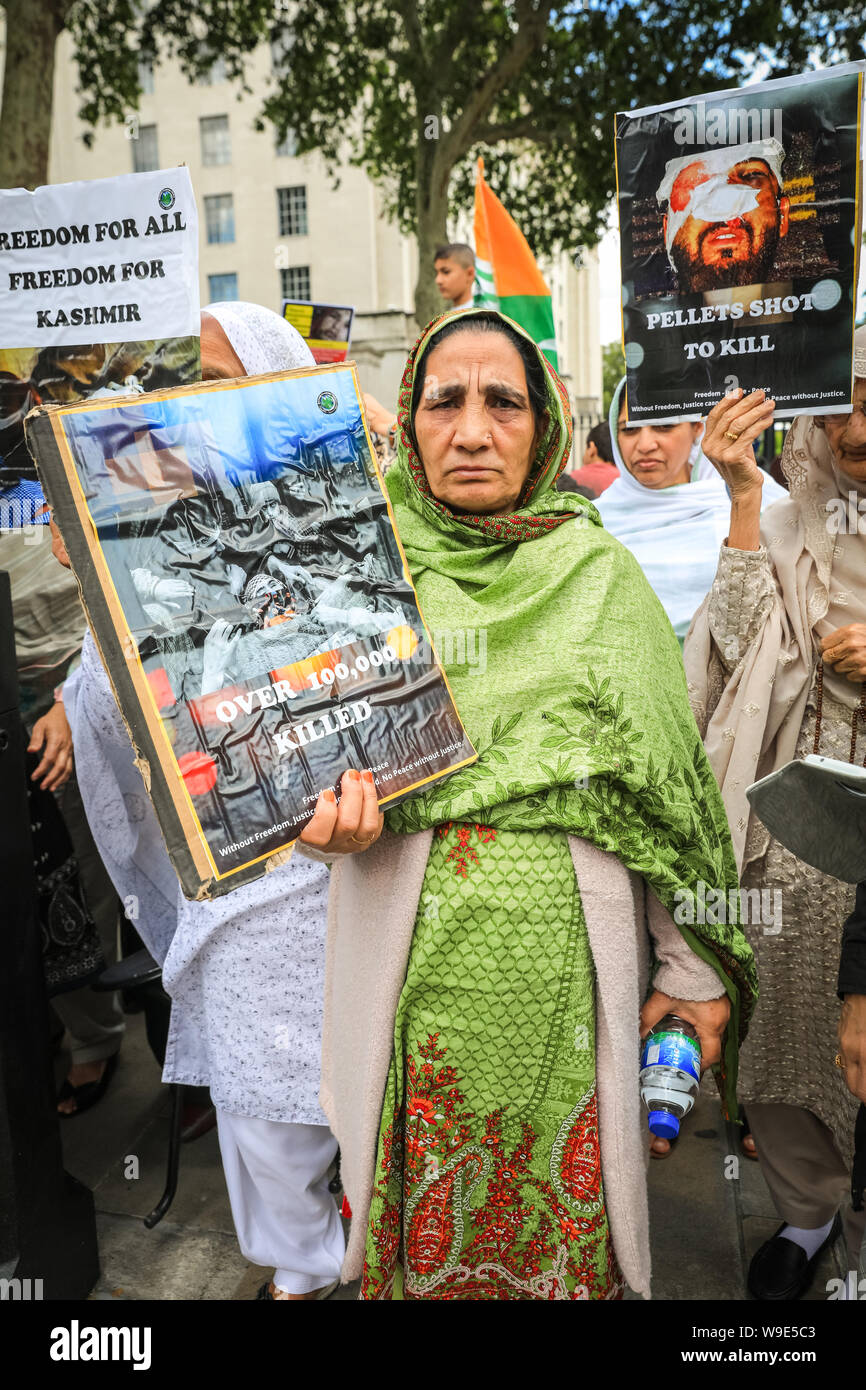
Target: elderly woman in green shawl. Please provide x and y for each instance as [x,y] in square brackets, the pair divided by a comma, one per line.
[490,948]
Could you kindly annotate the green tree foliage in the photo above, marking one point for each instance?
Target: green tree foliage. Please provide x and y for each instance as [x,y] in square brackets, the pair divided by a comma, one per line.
[413,90]
[110,38]
[531,85]
[612,371]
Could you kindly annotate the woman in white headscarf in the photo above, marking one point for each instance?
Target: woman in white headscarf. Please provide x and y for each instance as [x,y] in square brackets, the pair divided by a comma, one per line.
[669,507]
[245,972]
[776,665]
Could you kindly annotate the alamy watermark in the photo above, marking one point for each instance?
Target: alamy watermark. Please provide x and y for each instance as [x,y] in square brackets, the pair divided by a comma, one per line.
[455,646]
[851,1289]
[714,906]
[846,516]
[21,1290]
[77,1343]
[701,124]
[22,514]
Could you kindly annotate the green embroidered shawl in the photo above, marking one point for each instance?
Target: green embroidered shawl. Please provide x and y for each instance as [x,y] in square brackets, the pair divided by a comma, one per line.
[575,696]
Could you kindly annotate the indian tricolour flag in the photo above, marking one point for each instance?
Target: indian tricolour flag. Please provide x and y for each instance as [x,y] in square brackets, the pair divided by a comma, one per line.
[506,275]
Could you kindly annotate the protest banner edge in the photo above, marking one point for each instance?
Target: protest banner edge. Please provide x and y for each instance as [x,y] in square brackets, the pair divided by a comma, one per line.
[87,562]
[818,74]
[98,594]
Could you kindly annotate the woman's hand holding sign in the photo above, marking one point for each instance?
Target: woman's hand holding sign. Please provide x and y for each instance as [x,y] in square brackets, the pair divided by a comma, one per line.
[353,825]
[732,427]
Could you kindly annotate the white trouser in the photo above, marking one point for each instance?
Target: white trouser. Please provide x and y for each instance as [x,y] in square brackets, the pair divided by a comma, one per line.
[284,1215]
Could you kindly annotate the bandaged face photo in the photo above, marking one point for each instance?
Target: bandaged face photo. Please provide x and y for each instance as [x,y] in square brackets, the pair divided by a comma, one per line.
[724,215]
[739,216]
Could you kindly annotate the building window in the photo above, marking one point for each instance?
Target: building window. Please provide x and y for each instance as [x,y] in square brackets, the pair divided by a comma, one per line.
[216,147]
[145,76]
[289,145]
[215,74]
[219,214]
[281,50]
[145,152]
[292,206]
[295,282]
[221,287]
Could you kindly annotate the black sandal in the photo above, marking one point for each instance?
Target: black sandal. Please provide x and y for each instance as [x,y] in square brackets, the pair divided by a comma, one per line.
[89,1094]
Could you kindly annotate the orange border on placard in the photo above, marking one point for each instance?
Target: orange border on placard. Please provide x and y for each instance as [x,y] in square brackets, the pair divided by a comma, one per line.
[858,229]
[183,803]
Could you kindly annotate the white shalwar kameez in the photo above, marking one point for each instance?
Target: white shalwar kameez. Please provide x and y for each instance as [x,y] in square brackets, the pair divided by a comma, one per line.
[245,974]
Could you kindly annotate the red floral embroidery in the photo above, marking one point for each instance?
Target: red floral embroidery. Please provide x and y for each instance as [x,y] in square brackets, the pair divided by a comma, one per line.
[579,1171]
[462,854]
[385,1232]
[419,1108]
[432,1234]
[524,1241]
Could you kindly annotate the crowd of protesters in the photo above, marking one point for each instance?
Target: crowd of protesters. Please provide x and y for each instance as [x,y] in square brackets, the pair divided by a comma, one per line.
[485,1154]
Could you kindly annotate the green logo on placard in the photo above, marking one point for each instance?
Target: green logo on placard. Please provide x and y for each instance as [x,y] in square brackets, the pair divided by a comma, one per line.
[327,402]
[166,199]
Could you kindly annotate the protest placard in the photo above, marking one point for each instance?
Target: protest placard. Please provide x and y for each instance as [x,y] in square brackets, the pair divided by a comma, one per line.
[326,328]
[98,292]
[252,606]
[740,226]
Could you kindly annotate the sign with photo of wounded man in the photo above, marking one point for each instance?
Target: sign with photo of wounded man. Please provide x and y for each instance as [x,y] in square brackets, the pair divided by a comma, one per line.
[325,328]
[252,606]
[740,228]
[98,294]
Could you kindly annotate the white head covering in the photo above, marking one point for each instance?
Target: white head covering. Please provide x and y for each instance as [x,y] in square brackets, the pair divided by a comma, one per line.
[262,340]
[674,532]
[710,197]
[121,817]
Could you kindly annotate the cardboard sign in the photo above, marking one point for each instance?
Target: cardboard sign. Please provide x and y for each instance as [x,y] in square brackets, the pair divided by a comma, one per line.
[326,328]
[740,228]
[98,293]
[252,606]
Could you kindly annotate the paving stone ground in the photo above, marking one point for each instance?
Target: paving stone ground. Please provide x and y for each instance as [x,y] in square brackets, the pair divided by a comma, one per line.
[709,1206]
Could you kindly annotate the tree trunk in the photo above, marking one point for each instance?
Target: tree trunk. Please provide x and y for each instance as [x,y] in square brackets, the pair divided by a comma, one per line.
[32,27]
[431,205]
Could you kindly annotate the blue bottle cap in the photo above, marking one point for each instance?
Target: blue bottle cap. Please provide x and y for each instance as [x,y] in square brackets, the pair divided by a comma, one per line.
[663,1124]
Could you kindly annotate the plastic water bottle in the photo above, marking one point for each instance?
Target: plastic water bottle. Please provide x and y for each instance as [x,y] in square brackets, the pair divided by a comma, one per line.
[670,1074]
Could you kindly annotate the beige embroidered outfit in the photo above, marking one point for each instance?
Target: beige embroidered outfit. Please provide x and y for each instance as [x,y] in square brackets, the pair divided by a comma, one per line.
[751,655]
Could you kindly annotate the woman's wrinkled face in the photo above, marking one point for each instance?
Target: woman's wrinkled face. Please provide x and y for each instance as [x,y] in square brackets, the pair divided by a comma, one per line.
[847,434]
[657,455]
[219,361]
[474,425]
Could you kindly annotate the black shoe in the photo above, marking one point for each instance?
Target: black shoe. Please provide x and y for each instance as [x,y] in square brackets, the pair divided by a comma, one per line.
[89,1094]
[780,1271]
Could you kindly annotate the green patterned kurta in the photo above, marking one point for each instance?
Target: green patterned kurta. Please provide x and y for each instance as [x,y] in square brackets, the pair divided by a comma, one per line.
[581,720]
[488,1170]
